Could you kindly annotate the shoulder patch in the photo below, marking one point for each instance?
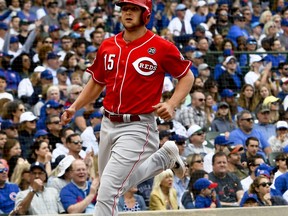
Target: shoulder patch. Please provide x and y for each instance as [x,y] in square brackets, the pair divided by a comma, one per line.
[152,51]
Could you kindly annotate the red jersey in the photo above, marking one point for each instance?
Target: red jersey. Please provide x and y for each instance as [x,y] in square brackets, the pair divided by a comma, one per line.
[133,73]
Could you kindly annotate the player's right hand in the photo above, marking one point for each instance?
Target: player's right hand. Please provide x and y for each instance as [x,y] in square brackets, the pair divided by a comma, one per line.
[67,116]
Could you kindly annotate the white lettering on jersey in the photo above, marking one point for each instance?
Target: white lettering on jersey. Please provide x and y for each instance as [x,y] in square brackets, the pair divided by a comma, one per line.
[145,66]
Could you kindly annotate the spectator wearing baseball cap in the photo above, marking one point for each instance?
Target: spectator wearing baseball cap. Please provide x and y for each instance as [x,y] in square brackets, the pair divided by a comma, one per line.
[197,59]
[27,130]
[234,161]
[280,139]
[10,129]
[46,77]
[41,135]
[44,196]
[53,64]
[220,143]
[204,71]
[222,122]
[88,136]
[200,15]
[230,78]
[3,30]
[249,200]
[284,88]
[196,141]
[255,62]
[206,197]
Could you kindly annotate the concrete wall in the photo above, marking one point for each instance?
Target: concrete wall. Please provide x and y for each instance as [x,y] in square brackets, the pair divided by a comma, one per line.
[251,211]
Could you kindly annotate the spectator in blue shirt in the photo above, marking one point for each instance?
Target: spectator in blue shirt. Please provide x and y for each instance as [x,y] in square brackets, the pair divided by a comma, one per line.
[207,197]
[79,196]
[8,191]
[275,58]
[246,129]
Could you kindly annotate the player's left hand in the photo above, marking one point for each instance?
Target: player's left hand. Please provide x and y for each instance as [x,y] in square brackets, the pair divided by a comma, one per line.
[164,111]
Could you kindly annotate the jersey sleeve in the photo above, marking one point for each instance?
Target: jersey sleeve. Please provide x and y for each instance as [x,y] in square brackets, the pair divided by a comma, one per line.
[174,62]
[97,68]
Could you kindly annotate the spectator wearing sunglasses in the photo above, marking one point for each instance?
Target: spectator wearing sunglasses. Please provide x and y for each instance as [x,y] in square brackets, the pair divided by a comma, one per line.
[53,127]
[74,145]
[194,114]
[281,165]
[8,191]
[261,187]
[246,129]
[197,143]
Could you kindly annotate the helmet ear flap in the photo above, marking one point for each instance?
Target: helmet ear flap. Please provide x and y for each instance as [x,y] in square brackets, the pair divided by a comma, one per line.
[146,16]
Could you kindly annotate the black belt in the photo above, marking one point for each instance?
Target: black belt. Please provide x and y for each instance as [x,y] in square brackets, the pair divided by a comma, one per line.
[122,117]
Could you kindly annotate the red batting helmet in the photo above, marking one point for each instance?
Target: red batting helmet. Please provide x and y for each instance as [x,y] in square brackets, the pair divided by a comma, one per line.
[146,4]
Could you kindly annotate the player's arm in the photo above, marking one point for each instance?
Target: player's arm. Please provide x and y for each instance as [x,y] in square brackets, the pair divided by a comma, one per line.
[166,110]
[91,92]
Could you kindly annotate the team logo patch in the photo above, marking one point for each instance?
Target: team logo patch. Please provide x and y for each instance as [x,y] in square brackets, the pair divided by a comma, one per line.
[145,66]
[152,51]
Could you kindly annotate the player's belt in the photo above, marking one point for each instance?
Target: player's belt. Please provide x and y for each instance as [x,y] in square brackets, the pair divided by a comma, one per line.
[122,118]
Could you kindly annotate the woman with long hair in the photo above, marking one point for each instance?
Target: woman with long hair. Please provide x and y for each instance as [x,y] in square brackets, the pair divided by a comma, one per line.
[13,110]
[41,153]
[247,99]
[223,120]
[21,175]
[195,162]
[163,196]
[70,62]
[209,103]
[22,64]
[211,86]
[261,187]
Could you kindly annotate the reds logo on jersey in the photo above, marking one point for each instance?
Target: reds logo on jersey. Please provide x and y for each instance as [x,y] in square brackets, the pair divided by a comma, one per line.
[145,66]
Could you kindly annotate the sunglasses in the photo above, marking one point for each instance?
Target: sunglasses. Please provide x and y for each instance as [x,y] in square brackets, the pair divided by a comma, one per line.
[201,99]
[2,170]
[247,119]
[55,122]
[77,142]
[264,184]
[48,42]
[85,18]
[281,159]
[199,133]
[199,161]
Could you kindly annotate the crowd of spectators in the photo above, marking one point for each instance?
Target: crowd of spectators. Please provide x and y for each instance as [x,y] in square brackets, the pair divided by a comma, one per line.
[232,129]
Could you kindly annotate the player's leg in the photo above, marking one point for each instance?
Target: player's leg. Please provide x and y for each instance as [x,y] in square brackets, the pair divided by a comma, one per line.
[130,145]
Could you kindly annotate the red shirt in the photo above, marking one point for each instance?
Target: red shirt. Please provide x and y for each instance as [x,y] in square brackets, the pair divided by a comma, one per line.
[134,73]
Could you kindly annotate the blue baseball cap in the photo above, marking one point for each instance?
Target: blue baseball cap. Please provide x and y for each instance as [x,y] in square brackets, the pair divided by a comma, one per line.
[221,140]
[97,128]
[227,93]
[52,55]
[53,104]
[6,124]
[96,114]
[197,54]
[3,26]
[178,138]
[203,183]
[62,15]
[247,197]
[53,28]
[39,166]
[251,40]
[40,133]
[263,169]
[14,39]
[255,24]
[189,48]
[285,149]
[46,74]
[91,49]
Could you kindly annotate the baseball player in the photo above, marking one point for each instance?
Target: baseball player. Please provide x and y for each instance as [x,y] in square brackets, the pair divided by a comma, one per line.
[131,66]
